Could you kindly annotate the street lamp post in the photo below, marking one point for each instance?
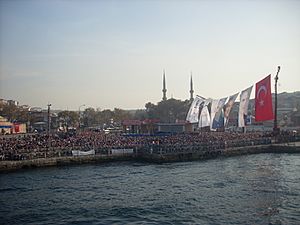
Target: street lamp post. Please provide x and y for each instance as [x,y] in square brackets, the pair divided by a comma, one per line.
[79,115]
[275,128]
[48,115]
[48,129]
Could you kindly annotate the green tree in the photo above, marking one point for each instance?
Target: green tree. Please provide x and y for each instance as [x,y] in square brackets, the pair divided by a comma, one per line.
[119,115]
[140,114]
[168,111]
[9,112]
[70,118]
[151,110]
[104,117]
[89,117]
[14,113]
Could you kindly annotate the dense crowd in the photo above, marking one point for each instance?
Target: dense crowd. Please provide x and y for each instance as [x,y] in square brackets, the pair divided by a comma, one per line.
[54,145]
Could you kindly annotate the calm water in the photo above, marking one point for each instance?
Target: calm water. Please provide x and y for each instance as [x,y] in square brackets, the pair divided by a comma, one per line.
[253,189]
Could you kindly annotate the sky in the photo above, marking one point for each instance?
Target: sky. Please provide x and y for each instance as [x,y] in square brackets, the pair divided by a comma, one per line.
[106,54]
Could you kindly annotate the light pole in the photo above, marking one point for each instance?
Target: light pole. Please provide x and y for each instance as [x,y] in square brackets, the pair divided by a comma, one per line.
[79,114]
[275,128]
[48,129]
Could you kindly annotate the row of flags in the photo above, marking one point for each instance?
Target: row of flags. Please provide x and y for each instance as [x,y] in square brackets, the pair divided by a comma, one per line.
[218,115]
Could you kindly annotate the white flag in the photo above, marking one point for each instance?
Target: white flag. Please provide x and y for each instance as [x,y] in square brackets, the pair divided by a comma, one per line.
[204,120]
[193,114]
[243,109]
[206,102]
[213,110]
[216,106]
[228,107]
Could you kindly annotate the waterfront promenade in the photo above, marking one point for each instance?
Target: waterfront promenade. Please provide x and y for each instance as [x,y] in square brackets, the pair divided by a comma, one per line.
[151,156]
[57,145]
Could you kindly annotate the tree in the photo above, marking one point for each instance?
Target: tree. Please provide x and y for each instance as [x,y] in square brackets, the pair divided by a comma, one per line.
[168,111]
[70,118]
[89,117]
[14,113]
[151,110]
[119,115]
[9,111]
[140,114]
[104,117]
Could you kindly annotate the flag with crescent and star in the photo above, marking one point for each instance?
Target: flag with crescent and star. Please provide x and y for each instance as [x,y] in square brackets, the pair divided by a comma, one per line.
[263,100]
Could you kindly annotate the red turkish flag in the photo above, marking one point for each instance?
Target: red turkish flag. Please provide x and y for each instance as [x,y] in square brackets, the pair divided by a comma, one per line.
[263,100]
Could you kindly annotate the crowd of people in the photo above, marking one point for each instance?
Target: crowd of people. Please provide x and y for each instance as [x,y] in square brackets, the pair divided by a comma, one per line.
[33,146]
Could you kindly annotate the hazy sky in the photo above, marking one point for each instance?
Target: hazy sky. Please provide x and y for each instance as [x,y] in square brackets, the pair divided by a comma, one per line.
[107,54]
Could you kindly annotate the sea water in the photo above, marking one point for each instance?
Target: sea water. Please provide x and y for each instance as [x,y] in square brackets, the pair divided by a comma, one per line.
[249,189]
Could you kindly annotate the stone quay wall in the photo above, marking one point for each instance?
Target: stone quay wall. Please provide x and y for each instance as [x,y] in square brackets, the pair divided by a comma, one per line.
[149,156]
[187,155]
[61,161]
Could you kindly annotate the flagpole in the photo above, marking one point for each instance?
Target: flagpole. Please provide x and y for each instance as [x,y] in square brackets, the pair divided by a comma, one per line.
[276,129]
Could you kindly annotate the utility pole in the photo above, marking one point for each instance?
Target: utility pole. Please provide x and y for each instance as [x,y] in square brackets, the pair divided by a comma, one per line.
[48,129]
[79,116]
[276,129]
